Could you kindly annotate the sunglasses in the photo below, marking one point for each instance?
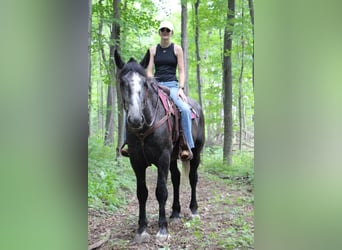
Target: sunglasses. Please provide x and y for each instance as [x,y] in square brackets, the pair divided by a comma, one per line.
[165,29]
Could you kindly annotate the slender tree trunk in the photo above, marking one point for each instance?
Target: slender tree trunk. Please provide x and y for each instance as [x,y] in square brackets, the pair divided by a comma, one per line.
[184,43]
[109,133]
[241,95]
[100,106]
[228,82]
[240,82]
[115,36]
[109,125]
[251,11]
[198,58]
[89,67]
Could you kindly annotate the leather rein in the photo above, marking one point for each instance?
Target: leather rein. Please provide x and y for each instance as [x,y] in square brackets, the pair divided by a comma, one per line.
[153,125]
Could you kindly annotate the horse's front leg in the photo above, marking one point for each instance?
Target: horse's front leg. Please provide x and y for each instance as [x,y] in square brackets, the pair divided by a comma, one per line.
[175,177]
[142,194]
[161,193]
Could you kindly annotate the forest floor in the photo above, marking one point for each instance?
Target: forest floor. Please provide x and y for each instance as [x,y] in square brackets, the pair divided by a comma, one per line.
[226,209]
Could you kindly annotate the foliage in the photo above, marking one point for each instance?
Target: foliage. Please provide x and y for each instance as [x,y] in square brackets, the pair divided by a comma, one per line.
[107,179]
[243,164]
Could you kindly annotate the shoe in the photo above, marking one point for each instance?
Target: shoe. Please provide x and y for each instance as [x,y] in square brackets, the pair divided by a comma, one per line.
[124,152]
[186,155]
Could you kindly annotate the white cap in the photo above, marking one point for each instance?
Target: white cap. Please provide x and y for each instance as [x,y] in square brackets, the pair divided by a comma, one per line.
[166,24]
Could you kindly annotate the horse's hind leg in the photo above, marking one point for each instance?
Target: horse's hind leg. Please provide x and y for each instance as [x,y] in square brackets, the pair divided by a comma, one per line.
[142,193]
[175,178]
[194,163]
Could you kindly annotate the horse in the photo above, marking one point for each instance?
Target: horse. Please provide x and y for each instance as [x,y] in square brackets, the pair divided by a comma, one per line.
[150,141]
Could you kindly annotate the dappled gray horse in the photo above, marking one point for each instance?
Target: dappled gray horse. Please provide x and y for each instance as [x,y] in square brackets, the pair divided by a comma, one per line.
[150,132]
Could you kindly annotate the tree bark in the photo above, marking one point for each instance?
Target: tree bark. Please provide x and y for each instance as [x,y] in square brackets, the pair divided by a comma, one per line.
[184,44]
[240,83]
[89,67]
[251,11]
[115,36]
[198,58]
[227,85]
[109,125]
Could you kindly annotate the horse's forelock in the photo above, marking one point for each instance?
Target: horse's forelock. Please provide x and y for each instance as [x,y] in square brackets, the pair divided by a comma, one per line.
[132,60]
[133,66]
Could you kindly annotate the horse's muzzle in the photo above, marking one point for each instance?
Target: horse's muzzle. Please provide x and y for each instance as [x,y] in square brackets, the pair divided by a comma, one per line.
[135,122]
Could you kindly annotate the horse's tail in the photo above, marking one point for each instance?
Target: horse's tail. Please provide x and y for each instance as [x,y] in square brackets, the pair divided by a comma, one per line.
[185,172]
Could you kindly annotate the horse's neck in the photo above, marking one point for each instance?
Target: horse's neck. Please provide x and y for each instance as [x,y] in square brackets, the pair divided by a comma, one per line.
[150,112]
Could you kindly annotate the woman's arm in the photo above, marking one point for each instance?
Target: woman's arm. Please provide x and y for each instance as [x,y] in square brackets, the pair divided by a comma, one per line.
[180,60]
[150,65]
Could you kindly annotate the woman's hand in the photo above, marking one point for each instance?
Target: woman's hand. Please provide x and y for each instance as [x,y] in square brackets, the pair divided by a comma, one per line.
[182,95]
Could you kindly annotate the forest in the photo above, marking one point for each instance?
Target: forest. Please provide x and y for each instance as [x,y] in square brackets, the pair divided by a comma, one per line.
[217,38]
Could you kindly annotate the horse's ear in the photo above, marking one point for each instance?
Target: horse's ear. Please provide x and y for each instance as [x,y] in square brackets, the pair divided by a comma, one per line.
[118,61]
[145,61]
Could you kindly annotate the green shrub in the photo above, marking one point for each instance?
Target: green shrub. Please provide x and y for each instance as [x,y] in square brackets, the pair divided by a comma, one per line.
[243,163]
[108,179]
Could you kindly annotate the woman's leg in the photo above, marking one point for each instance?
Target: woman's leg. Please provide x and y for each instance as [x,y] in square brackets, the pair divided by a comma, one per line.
[185,111]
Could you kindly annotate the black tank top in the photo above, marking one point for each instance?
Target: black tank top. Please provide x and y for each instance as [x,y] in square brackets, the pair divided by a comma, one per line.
[165,62]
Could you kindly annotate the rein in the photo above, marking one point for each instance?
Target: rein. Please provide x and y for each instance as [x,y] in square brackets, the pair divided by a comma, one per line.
[153,125]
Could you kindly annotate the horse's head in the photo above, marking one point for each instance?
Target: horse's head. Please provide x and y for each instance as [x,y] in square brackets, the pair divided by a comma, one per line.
[133,85]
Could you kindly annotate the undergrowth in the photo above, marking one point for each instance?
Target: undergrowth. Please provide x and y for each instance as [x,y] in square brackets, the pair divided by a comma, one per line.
[108,179]
[242,167]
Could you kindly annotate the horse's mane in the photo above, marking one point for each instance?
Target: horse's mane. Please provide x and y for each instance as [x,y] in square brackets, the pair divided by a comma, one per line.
[134,66]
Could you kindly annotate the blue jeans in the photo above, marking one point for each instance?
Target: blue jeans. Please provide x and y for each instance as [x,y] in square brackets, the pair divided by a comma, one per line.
[184,109]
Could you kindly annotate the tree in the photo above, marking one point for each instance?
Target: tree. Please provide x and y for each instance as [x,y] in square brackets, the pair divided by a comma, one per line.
[227,84]
[89,67]
[251,11]
[184,43]
[198,58]
[115,37]
[241,108]
[109,128]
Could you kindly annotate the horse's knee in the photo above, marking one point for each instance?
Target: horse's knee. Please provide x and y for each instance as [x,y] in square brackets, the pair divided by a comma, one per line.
[142,192]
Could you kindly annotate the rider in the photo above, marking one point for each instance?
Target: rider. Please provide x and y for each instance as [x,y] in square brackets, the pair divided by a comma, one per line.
[165,57]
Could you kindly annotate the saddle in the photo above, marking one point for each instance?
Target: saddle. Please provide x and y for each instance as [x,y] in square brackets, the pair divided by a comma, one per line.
[170,107]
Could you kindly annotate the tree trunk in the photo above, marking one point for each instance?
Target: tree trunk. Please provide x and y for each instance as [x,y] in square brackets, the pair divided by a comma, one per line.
[100,106]
[109,125]
[251,11]
[227,85]
[115,36]
[198,58]
[89,67]
[184,44]
[240,83]
[109,134]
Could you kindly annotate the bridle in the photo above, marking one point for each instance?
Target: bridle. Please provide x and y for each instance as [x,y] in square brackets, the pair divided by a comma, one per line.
[149,128]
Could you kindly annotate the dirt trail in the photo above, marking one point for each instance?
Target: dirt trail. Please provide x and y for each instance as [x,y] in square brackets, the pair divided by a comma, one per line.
[226,218]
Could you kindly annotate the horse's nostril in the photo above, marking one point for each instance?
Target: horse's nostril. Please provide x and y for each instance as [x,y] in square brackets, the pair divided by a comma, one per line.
[135,121]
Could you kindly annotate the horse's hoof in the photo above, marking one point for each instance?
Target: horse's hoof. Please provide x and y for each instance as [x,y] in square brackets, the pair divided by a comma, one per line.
[141,238]
[162,237]
[195,216]
[175,220]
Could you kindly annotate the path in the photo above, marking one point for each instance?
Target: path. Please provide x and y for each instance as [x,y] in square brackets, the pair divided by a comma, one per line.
[226,218]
